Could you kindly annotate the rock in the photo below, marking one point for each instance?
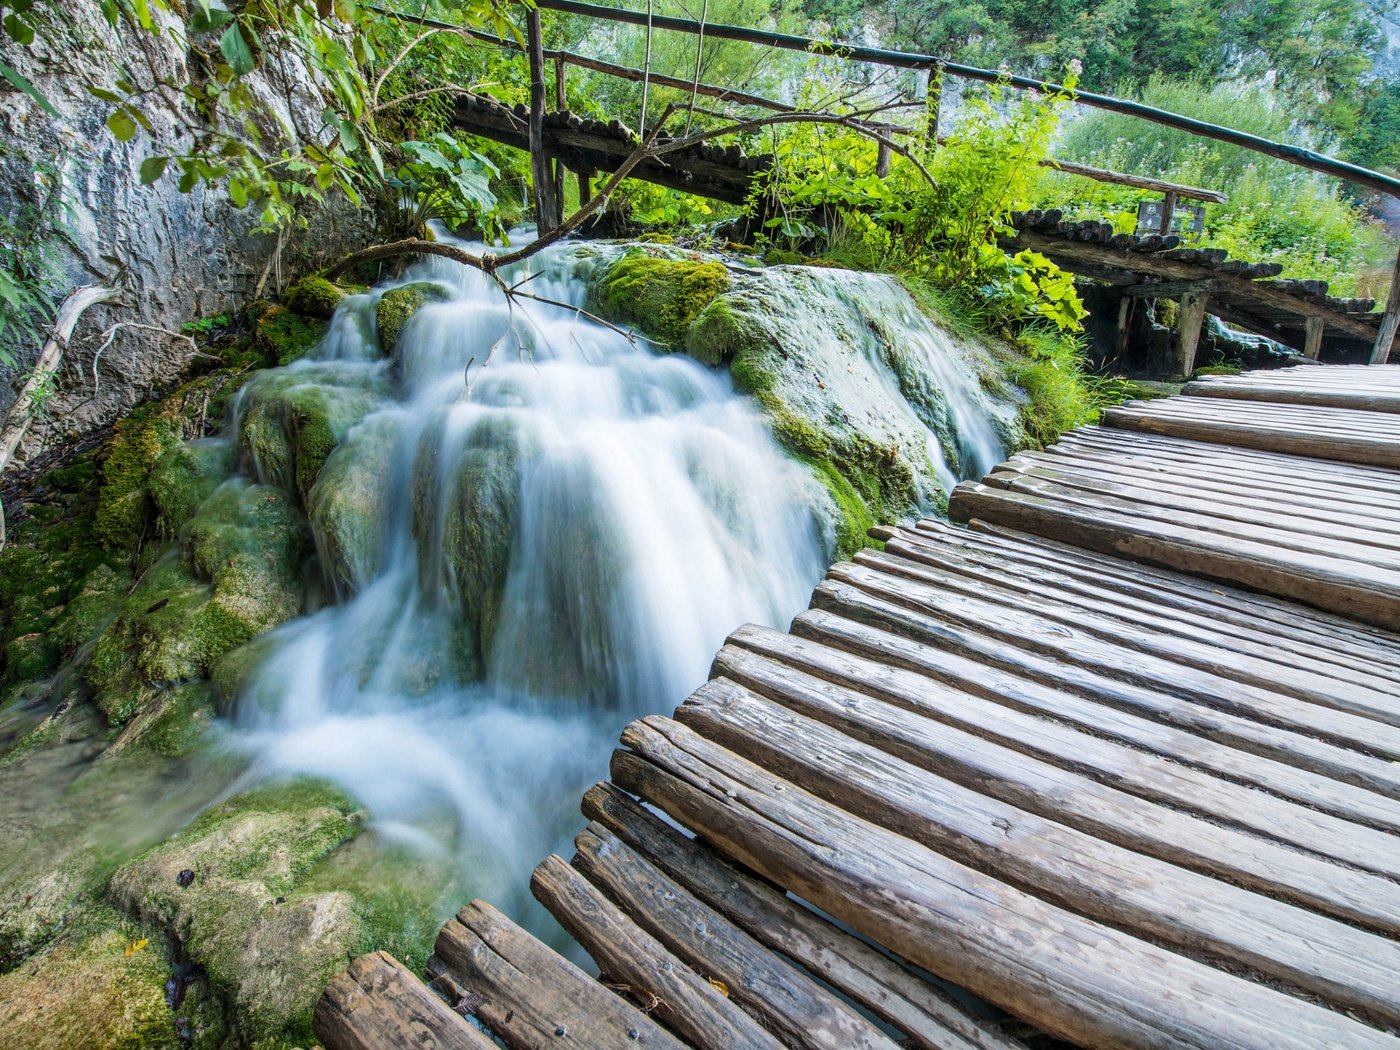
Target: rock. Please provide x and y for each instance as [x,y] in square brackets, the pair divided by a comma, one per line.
[349,505]
[396,306]
[100,986]
[285,336]
[270,959]
[313,296]
[184,477]
[88,614]
[661,296]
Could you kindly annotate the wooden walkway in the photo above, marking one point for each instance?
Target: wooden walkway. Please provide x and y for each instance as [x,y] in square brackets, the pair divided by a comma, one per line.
[1058,759]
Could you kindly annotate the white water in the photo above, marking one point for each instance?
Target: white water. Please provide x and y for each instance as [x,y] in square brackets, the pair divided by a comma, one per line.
[655,514]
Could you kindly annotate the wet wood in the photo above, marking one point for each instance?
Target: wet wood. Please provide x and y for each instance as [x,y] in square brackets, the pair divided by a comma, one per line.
[379,1002]
[1074,977]
[650,975]
[527,994]
[783,999]
[926,1015]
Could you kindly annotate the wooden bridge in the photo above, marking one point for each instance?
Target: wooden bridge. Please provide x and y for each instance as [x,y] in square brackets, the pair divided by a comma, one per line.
[1121,758]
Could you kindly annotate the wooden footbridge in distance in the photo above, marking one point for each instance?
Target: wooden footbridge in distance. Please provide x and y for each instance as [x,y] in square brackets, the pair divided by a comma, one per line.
[1121,758]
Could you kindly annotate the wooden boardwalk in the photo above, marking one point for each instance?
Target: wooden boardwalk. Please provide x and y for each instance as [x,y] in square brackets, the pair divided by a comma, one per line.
[1060,759]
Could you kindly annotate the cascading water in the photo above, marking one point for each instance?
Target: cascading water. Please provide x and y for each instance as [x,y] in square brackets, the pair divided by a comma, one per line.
[570,526]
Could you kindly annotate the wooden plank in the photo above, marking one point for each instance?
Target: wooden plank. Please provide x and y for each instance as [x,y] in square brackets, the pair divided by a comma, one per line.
[876,774]
[1299,624]
[1125,658]
[1336,444]
[1295,394]
[1239,515]
[1193,621]
[1305,418]
[782,998]
[527,994]
[965,752]
[1328,583]
[929,1017]
[684,1001]
[1240,724]
[379,1003]
[1071,976]
[1312,340]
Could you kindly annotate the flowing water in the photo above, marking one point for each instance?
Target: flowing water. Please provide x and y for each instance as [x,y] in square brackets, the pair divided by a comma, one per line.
[649,512]
[570,525]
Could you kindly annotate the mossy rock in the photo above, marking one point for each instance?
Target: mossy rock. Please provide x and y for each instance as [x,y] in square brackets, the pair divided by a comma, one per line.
[100,986]
[184,477]
[293,419]
[349,505]
[235,669]
[285,336]
[396,306]
[125,509]
[262,937]
[93,608]
[313,296]
[662,297]
[240,577]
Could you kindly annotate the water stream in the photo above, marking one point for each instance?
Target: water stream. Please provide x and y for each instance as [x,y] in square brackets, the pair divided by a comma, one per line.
[647,512]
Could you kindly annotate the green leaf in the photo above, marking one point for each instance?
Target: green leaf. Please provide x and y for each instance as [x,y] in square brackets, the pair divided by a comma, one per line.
[20,31]
[16,78]
[122,125]
[349,141]
[236,51]
[104,94]
[143,14]
[238,193]
[209,19]
[153,168]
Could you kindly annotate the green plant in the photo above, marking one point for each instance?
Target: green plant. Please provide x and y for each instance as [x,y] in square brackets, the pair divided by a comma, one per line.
[31,235]
[205,325]
[439,179]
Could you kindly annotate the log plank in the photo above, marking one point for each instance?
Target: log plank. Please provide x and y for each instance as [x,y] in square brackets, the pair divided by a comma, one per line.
[379,1003]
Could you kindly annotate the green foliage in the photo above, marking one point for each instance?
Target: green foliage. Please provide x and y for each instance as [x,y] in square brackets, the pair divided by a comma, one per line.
[1276,212]
[31,237]
[440,179]
[1058,392]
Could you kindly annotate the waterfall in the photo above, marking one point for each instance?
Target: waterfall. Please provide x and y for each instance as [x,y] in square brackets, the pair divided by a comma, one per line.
[557,528]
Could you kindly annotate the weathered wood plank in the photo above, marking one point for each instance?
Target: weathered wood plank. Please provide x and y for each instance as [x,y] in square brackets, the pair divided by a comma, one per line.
[781,997]
[866,773]
[1370,400]
[530,996]
[1026,627]
[378,1003]
[1071,976]
[1026,780]
[1338,443]
[684,1001]
[1329,583]
[928,1017]
[1088,590]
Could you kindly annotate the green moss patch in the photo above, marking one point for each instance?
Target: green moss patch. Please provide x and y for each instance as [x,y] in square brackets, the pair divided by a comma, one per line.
[662,297]
[284,336]
[313,296]
[397,305]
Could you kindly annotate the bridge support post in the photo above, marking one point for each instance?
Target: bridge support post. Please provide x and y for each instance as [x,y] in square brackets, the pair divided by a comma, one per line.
[1312,338]
[1390,320]
[547,210]
[1191,317]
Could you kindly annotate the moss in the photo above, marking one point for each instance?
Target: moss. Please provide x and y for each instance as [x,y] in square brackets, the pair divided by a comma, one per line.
[100,986]
[30,656]
[661,296]
[183,478]
[284,336]
[239,577]
[246,904]
[719,334]
[313,296]
[397,305]
[1217,370]
[349,505]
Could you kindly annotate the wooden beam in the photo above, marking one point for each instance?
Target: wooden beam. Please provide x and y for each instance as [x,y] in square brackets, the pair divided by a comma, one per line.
[547,211]
[1390,320]
[1227,286]
[1137,181]
[1312,340]
[1189,320]
[379,1003]
[1166,289]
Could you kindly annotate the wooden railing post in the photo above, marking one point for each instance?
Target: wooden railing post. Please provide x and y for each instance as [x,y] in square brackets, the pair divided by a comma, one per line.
[548,214]
[1168,210]
[1390,320]
[1190,319]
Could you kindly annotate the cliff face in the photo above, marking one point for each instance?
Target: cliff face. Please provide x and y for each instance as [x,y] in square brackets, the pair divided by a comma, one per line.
[174,256]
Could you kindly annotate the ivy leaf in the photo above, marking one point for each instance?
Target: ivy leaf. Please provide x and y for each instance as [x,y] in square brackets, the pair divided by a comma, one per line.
[16,78]
[236,51]
[208,19]
[153,168]
[122,125]
[20,31]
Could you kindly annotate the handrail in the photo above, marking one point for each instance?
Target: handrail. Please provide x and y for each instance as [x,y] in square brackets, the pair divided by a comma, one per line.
[1296,155]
